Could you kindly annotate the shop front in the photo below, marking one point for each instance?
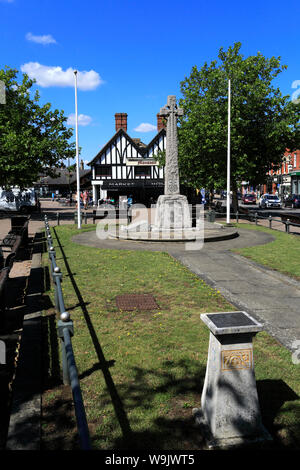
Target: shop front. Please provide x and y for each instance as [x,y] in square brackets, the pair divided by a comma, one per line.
[295,182]
[144,191]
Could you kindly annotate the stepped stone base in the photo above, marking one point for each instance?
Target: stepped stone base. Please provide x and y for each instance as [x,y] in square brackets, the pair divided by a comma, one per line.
[172,212]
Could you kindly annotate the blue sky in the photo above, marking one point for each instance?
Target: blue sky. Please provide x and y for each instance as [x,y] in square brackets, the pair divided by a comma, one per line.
[132,54]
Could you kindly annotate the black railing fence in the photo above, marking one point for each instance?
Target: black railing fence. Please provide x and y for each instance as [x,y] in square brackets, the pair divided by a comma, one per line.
[65,330]
[125,216]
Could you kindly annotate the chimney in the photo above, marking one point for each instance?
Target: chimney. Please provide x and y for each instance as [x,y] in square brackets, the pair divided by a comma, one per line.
[161,124]
[81,165]
[121,121]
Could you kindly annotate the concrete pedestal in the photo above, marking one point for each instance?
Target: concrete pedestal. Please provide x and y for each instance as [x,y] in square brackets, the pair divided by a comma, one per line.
[172,212]
[230,413]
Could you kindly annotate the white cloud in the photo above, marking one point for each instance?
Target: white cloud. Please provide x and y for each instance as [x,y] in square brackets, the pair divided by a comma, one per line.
[44,39]
[48,76]
[145,127]
[83,120]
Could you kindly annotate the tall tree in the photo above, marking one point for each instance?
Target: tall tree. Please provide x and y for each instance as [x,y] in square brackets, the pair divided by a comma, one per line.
[263,122]
[33,138]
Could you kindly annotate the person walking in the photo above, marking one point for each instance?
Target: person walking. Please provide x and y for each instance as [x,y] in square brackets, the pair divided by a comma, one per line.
[85,199]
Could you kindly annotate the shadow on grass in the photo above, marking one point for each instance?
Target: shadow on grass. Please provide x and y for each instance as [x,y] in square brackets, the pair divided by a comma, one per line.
[273,394]
[115,398]
[164,399]
[174,426]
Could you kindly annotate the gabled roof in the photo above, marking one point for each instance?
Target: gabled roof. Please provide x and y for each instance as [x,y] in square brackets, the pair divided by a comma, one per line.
[62,177]
[139,148]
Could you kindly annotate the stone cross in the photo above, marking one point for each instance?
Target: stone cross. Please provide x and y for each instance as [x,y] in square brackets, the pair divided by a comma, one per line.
[170,111]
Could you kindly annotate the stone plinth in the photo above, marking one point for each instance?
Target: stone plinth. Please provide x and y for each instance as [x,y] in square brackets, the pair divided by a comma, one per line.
[172,212]
[230,413]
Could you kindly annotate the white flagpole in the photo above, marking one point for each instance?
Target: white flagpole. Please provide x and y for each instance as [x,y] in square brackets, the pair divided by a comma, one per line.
[228,156]
[77,156]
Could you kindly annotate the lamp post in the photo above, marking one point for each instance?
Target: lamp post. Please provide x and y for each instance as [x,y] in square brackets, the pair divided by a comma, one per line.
[228,157]
[77,155]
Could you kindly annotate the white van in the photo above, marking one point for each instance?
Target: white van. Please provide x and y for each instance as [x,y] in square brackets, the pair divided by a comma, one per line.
[15,200]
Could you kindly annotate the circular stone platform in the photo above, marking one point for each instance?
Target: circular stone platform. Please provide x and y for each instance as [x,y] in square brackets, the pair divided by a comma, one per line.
[212,232]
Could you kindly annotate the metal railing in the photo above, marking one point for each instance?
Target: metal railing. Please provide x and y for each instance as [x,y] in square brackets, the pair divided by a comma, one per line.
[255,217]
[65,330]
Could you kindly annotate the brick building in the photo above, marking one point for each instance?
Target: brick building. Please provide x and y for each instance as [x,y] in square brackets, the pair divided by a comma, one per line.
[285,180]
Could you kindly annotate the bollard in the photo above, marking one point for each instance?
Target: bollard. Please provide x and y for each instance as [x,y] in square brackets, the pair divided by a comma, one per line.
[287,226]
[85,217]
[237,217]
[270,221]
[255,218]
[57,216]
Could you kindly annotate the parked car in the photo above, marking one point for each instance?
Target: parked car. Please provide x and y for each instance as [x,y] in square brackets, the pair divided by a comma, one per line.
[249,199]
[293,200]
[270,201]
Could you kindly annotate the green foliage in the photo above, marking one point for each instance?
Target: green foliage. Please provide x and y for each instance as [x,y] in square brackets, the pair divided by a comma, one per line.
[263,122]
[161,158]
[32,137]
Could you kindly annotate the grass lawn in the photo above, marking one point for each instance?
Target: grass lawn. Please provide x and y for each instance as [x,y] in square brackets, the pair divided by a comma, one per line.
[283,254]
[142,372]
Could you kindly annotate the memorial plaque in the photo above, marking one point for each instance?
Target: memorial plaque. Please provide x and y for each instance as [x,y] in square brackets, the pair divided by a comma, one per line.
[231,323]
[223,320]
[236,359]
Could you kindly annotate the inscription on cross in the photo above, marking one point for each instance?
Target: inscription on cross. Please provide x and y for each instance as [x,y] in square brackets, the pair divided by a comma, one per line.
[171,112]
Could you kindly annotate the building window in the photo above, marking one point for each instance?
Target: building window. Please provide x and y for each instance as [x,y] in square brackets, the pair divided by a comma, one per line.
[142,171]
[103,170]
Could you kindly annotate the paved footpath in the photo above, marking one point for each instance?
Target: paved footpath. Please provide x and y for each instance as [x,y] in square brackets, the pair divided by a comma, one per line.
[272,298]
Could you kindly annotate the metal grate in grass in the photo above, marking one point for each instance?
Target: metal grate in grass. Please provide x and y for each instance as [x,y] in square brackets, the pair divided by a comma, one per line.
[129,302]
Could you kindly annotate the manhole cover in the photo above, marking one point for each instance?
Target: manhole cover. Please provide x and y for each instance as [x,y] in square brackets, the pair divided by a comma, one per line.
[129,302]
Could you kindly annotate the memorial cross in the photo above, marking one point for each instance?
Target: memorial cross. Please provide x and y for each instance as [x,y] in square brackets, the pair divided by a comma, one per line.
[171,111]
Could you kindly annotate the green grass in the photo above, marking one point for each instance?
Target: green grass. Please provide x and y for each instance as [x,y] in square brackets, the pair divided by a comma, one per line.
[141,373]
[283,254]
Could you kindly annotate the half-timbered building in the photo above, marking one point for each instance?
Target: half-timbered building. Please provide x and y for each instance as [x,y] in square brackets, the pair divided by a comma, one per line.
[125,166]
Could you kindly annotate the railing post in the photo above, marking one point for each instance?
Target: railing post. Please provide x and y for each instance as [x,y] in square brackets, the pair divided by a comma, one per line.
[270,221]
[51,252]
[57,216]
[85,217]
[287,226]
[61,325]
[57,276]
[255,218]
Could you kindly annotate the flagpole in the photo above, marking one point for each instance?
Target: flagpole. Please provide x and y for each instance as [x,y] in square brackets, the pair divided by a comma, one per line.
[77,156]
[228,156]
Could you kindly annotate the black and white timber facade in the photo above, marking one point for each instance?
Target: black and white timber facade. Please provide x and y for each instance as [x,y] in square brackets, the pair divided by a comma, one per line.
[127,167]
